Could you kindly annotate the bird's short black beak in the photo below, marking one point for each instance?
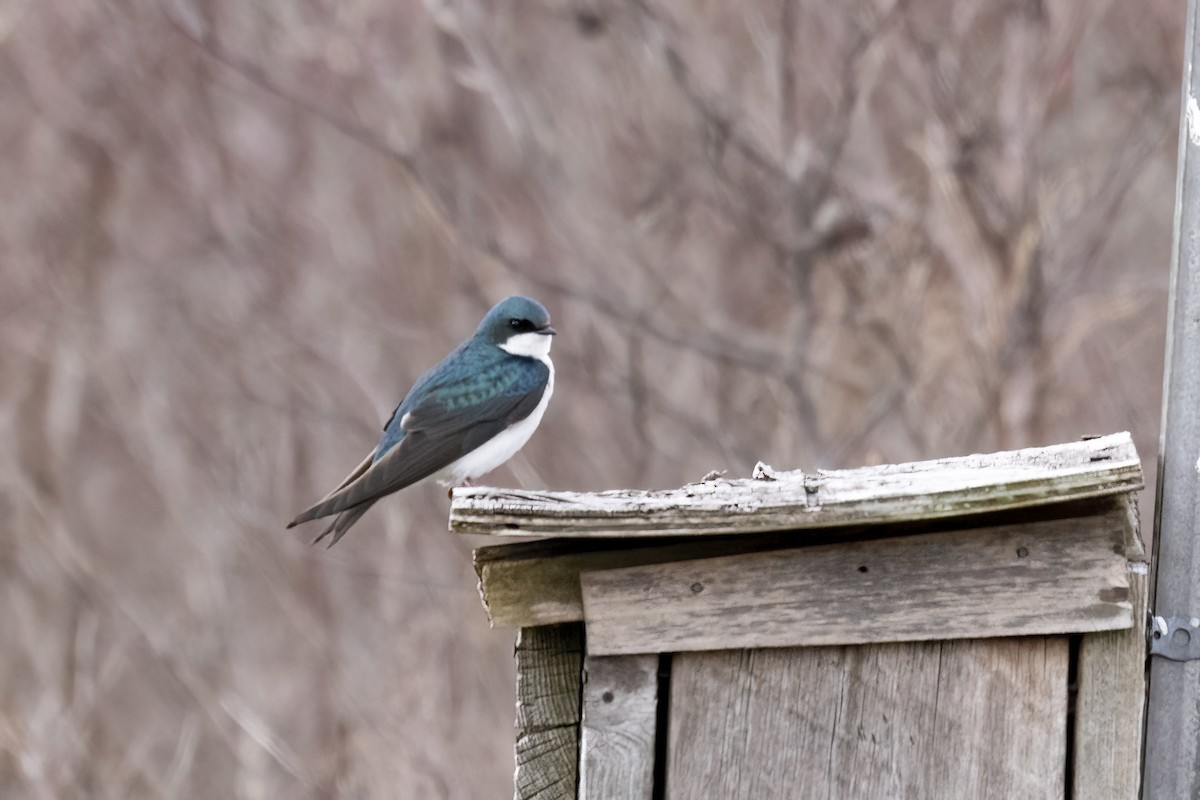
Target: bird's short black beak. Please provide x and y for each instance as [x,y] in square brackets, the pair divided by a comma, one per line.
[547,331]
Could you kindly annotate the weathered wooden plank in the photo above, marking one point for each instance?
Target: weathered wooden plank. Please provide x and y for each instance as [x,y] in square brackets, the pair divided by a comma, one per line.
[1110,705]
[546,768]
[540,585]
[549,661]
[978,719]
[620,714]
[1052,576]
[1000,721]
[1135,546]
[795,500]
[882,745]
[752,723]
[537,583]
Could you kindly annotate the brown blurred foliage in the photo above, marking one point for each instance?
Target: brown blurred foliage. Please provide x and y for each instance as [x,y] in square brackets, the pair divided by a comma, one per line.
[231,234]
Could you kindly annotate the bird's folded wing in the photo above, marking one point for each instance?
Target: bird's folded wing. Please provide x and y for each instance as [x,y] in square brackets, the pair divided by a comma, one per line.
[446,425]
[354,475]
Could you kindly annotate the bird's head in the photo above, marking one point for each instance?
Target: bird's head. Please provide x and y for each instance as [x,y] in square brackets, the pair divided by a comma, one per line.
[518,325]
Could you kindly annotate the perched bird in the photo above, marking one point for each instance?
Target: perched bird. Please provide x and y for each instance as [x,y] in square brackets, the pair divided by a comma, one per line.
[461,419]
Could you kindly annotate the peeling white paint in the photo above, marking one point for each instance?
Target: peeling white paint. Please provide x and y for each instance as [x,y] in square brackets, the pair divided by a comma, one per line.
[1193,120]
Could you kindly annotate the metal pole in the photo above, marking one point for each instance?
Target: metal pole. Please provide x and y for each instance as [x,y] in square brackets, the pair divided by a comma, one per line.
[1172,766]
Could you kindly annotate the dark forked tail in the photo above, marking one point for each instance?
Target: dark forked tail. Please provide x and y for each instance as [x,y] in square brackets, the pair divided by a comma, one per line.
[342,523]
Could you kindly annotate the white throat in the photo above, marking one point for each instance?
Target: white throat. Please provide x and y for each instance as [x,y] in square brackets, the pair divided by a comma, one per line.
[530,345]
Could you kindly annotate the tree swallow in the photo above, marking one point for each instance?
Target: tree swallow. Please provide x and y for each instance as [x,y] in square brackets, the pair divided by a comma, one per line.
[461,419]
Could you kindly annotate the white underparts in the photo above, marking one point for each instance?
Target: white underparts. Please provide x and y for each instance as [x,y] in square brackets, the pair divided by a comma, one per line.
[504,445]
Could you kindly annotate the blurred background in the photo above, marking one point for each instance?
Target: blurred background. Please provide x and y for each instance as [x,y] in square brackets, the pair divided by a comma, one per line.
[233,233]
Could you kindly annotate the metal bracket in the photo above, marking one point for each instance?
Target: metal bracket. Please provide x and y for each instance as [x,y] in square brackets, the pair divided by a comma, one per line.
[1176,638]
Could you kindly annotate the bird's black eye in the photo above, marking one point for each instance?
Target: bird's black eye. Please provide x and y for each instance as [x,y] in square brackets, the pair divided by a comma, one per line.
[521,324]
[514,323]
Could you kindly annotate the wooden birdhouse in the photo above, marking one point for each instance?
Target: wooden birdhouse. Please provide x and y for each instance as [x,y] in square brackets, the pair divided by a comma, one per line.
[969,627]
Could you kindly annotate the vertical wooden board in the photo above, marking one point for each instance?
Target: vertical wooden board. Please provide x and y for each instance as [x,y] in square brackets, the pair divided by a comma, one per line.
[546,768]
[816,722]
[620,714]
[978,719]
[549,660]
[1000,720]
[1110,707]
[752,723]
[884,715]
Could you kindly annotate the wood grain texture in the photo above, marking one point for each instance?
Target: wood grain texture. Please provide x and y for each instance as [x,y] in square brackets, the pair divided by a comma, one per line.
[540,585]
[752,723]
[1052,576]
[1110,707]
[620,714]
[537,583]
[978,719]
[1000,722]
[549,660]
[796,500]
[546,767]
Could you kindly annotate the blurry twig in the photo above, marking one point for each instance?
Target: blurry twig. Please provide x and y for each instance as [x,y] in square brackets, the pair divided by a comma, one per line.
[707,343]
[216,707]
[449,20]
